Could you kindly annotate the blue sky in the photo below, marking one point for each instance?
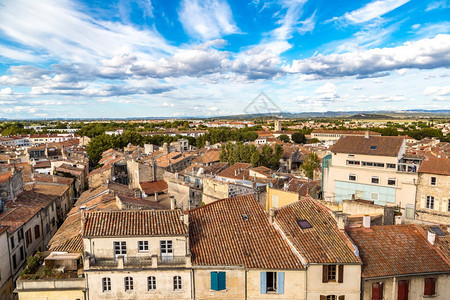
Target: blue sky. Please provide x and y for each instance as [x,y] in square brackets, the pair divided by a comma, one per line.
[125,58]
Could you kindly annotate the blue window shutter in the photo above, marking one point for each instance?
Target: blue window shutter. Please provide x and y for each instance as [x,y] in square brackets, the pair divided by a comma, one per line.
[214,281]
[280,278]
[222,281]
[263,283]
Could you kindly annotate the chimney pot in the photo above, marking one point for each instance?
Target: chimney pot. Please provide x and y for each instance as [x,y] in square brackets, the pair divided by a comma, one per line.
[172,202]
[431,237]
[367,134]
[366,221]
[272,214]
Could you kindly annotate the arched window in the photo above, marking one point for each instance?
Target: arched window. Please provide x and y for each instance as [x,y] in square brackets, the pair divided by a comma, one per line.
[106,284]
[129,284]
[151,283]
[176,283]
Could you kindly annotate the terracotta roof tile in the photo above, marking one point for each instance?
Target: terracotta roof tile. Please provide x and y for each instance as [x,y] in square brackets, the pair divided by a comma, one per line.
[134,223]
[323,242]
[374,145]
[236,232]
[241,169]
[391,250]
[151,187]
[434,165]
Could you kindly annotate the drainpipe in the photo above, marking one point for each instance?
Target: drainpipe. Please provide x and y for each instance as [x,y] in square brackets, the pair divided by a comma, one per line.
[245,283]
[192,284]
[394,283]
[306,282]
[416,184]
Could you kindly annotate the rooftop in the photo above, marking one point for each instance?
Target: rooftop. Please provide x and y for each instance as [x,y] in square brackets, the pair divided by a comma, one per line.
[434,165]
[374,145]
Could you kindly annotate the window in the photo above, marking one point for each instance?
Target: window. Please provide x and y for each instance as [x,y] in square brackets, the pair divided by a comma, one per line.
[166,249]
[392,181]
[372,164]
[304,224]
[374,196]
[37,232]
[53,206]
[430,202]
[106,284]
[28,238]
[430,287]
[176,283]
[218,281]
[332,273]
[143,246]
[12,243]
[53,221]
[14,262]
[353,162]
[390,166]
[120,248]
[377,291]
[448,205]
[271,281]
[151,283]
[332,297]
[20,234]
[352,177]
[433,181]
[22,253]
[375,180]
[129,284]
[47,228]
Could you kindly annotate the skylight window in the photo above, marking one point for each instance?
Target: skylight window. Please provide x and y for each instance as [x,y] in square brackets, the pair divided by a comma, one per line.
[373,147]
[304,224]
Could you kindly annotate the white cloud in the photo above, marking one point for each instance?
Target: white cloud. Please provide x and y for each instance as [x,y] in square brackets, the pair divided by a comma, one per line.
[207,19]
[327,91]
[421,54]
[437,5]
[6,91]
[439,93]
[373,10]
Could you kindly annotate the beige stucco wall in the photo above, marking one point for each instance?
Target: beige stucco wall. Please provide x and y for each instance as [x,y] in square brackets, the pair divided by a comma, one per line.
[235,284]
[164,284]
[416,287]
[214,190]
[52,295]
[51,289]
[284,198]
[294,285]
[441,194]
[405,189]
[104,247]
[350,287]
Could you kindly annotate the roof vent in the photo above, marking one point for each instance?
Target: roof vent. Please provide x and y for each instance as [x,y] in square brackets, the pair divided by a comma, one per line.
[366,221]
[245,217]
[373,147]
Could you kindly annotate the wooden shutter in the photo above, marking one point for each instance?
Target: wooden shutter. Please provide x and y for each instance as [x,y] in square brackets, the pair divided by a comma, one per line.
[402,290]
[342,297]
[324,273]
[263,283]
[222,281]
[430,284]
[376,291]
[27,240]
[37,234]
[322,297]
[280,279]
[341,274]
[214,281]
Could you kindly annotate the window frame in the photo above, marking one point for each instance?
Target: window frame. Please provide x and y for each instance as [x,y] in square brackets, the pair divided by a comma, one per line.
[177,284]
[151,283]
[432,288]
[274,278]
[120,248]
[128,284]
[106,284]
[142,246]
[429,204]
[350,176]
[332,269]
[376,178]
[391,179]
[433,181]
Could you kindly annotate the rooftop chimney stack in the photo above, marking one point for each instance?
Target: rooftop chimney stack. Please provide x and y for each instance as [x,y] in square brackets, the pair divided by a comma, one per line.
[271,215]
[172,202]
[431,237]
[367,134]
[366,221]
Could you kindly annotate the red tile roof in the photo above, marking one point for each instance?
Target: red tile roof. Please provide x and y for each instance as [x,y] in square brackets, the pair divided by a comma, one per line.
[220,236]
[151,187]
[324,242]
[345,132]
[134,223]
[391,250]
[434,165]
[5,177]
[374,145]
[240,168]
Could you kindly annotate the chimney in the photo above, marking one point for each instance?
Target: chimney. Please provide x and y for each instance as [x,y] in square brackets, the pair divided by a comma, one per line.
[172,202]
[398,220]
[156,196]
[82,215]
[341,220]
[154,166]
[272,214]
[431,237]
[236,172]
[165,148]
[366,221]
[367,134]
[186,219]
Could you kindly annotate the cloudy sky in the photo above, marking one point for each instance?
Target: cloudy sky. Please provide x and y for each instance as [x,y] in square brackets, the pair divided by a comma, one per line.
[125,58]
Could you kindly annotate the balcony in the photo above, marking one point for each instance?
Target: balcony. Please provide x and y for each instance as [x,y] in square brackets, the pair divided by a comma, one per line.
[128,262]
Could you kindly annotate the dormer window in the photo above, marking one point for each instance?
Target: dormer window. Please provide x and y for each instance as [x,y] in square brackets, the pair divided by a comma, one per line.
[304,224]
[373,147]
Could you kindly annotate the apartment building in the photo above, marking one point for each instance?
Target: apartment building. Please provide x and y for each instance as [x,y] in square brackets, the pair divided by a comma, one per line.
[373,168]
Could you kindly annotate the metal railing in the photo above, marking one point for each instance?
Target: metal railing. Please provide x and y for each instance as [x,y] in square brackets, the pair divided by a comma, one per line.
[128,262]
[172,260]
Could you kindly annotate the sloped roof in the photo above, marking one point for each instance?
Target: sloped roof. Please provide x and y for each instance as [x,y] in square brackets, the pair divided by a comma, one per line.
[242,169]
[391,250]
[434,165]
[134,223]
[323,242]
[236,232]
[374,145]
[151,187]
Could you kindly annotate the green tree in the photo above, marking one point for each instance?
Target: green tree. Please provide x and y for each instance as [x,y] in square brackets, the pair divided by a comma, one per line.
[284,138]
[311,163]
[298,138]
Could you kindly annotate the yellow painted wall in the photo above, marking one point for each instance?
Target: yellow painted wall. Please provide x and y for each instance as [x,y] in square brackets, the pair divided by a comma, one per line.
[284,198]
